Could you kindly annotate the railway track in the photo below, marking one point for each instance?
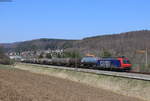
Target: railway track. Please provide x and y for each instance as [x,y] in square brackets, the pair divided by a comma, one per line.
[131,75]
[139,72]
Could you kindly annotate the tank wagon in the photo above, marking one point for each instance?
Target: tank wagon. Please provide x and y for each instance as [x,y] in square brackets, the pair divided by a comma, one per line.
[89,61]
[118,63]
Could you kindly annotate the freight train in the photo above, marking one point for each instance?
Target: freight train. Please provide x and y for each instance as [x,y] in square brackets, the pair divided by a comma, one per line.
[116,63]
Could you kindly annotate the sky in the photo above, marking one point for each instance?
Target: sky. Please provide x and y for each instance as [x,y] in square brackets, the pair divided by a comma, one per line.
[22,20]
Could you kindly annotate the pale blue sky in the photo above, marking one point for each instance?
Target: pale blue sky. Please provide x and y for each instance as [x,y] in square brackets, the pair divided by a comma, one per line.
[70,19]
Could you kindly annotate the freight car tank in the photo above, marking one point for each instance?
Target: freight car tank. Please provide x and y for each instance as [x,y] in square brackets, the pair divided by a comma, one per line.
[72,62]
[89,61]
[61,61]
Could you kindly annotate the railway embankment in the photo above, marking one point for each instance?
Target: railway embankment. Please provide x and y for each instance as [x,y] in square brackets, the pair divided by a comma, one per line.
[124,86]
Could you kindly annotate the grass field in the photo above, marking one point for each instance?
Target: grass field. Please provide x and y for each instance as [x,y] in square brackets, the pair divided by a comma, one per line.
[124,86]
[6,66]
[20,85]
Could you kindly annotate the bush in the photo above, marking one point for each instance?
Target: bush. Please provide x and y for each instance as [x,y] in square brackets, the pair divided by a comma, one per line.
[73,54]
[141,68]
[41,55]
[48,55]
[5,59]
[144,68]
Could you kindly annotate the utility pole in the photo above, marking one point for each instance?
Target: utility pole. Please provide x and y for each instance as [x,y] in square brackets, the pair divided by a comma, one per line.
[146,57]
[75,59]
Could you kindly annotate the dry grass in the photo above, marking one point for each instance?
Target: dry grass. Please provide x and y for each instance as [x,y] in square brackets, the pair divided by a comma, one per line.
[124,86]
[18,85]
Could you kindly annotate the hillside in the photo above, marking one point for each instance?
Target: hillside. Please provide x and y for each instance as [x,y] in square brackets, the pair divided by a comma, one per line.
[123,44]
[41,44]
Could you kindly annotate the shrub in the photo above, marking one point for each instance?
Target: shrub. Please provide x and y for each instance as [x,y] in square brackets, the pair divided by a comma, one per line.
[5,59]
[48,55]
[73,54]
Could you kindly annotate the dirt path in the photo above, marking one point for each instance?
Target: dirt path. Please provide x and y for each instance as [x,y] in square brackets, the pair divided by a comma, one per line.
[18,85]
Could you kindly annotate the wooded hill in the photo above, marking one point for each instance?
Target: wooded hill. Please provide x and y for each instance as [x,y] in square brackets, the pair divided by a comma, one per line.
[123,44]
[39,44]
